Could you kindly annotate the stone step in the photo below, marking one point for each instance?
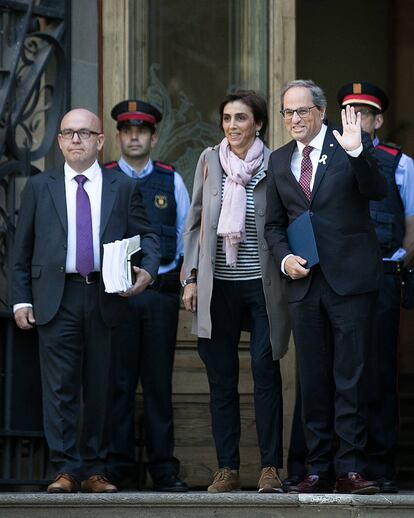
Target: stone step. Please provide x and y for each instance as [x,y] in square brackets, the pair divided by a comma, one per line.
[204,505]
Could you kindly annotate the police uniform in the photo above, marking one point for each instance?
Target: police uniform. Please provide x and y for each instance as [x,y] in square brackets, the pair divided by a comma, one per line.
[389,217]
[146,346]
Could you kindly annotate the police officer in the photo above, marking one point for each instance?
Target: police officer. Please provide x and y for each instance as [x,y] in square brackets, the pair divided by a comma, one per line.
[145,349]
[393,218]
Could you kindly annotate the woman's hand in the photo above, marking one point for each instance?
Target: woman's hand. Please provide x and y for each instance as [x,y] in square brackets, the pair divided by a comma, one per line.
[190,297]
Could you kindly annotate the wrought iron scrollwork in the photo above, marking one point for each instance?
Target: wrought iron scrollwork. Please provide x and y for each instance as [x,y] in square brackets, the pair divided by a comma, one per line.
[33,80]
[32,90]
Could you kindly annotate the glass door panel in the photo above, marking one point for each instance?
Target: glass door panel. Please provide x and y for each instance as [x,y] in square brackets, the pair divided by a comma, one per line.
[195,53]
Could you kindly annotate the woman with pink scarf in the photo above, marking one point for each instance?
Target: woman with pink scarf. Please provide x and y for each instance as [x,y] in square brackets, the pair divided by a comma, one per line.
[231,283]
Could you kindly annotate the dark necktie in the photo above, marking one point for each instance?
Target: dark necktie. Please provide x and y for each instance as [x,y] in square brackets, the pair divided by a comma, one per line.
[84,240]
[306,171]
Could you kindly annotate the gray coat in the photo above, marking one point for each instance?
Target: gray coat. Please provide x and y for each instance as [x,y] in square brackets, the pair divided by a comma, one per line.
[200,240]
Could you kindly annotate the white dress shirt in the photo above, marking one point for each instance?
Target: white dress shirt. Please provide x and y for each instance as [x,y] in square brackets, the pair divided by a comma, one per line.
[93,186]
[315,154]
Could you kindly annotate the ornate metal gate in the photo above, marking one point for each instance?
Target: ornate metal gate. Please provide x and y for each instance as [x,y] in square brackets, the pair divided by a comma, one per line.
[34,43]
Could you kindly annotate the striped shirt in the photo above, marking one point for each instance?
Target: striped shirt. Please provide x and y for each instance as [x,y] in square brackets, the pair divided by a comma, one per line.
[248,261]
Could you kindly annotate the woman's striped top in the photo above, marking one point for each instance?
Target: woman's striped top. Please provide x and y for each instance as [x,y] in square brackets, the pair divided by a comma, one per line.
[248,262]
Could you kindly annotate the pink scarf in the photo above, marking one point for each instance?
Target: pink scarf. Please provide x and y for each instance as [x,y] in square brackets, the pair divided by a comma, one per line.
[232,219]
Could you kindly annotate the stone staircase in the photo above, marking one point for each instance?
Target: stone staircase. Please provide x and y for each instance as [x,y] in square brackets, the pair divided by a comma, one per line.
[204,505]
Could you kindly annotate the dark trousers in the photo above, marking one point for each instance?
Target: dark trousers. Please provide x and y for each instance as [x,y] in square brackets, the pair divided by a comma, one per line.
[231,301]
[339,362]
[298,452]
[144,350]
[75,356]
[383,403]
[383,417]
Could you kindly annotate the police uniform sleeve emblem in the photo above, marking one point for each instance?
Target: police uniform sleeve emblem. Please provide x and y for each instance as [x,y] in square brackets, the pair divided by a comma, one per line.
[160,201]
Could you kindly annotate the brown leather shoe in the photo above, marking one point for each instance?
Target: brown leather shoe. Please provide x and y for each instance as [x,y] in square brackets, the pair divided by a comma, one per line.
[63,483]
[98,484]
[269,481]
[225,480]
[312,484]
[355,483]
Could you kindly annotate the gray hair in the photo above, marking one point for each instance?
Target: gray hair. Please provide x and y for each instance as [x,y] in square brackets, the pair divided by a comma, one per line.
[318,95]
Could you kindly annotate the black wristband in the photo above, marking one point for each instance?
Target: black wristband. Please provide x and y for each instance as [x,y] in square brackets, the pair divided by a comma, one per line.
[190,280]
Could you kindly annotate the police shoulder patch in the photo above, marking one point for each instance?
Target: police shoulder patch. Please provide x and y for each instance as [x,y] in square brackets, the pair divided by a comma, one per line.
[163,166]
[111,165]
[390,148]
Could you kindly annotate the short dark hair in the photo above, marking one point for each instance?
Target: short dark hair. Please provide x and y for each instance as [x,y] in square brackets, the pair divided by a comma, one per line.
[254,101]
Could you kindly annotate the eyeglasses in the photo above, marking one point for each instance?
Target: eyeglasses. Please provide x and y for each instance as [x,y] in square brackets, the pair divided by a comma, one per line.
[302,112]
[83,134]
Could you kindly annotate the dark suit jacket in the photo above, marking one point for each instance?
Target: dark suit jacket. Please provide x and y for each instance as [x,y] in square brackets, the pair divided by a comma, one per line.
[41,240]
[347,245]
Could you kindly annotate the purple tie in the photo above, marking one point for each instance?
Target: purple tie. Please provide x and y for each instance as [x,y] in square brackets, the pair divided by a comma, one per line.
[84,241]
[306,171]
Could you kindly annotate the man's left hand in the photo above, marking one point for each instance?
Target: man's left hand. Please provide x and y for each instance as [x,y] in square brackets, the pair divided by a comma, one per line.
[351,124]
[142,280]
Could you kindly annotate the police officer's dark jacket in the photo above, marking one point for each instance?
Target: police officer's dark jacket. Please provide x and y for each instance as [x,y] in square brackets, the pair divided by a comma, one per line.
[158,194]
[388,214]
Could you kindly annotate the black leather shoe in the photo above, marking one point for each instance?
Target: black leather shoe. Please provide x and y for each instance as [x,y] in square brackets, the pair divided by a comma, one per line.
[170,484]
[293,480]
[387,486]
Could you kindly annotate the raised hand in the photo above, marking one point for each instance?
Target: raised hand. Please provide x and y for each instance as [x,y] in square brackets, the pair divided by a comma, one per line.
[351,124]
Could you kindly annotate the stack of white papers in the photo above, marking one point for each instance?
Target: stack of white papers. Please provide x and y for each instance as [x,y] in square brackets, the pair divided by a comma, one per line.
[116,266]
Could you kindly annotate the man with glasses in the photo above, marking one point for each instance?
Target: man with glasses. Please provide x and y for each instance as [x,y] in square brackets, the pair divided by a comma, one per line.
[66,214]
[146,345]
[393,218]
[328,179]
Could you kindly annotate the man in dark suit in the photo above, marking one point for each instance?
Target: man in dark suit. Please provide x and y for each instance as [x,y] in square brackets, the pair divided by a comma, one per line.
[332,176]
[66,215]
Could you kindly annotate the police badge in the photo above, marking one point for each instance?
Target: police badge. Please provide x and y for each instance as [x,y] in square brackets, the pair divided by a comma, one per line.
[160,201]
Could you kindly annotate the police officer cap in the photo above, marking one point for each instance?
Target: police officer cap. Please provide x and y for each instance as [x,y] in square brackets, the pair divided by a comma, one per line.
[135,113]
[363,93]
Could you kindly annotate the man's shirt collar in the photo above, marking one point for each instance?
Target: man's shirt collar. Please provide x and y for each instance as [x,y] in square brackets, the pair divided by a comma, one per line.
[316,142]
[130,171]
[90,173]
